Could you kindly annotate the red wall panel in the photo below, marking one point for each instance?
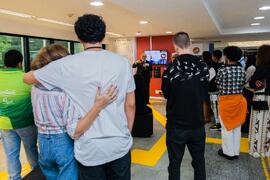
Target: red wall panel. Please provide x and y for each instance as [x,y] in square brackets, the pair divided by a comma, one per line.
[143,43]
[158,43]
[163,43]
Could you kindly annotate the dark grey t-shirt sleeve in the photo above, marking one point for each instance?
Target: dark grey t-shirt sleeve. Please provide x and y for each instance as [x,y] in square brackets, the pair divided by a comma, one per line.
[51,76]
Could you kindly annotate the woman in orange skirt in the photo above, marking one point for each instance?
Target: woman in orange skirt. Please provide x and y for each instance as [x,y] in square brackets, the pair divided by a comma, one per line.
[232,104]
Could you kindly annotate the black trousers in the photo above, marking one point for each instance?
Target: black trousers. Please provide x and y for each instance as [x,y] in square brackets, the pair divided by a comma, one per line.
[115,170]
[249,97]
[148,91]
[176,140]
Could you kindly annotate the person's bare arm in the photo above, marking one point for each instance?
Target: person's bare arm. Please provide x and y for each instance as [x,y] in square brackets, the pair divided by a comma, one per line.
[29,78]
[130,109]
[101,102]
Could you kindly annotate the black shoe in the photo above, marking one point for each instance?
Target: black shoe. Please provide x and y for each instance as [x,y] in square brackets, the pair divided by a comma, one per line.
[220,152]
[216,127]
[236,157]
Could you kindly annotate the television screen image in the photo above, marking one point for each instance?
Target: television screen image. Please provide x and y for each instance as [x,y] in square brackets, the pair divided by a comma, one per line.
[157,56]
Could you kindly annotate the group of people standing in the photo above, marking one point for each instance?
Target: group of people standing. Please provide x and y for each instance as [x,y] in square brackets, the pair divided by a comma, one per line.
[83,107]
[184,85]
[254,87]
[189,83]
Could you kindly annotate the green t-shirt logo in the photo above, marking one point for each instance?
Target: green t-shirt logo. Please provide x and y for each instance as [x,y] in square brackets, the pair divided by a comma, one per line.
[15,100]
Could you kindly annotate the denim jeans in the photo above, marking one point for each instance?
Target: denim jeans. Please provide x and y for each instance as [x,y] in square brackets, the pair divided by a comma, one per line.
[56,157]
[12,145]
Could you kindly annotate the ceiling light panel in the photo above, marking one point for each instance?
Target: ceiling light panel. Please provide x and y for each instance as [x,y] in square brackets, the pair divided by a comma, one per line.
[255,24]
[13,13]
[114,34]
[259,17]
[54,21]
[96,3]
[144,22]
[264,8]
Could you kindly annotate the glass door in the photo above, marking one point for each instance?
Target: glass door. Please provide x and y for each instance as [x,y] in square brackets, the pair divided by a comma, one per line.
[35,44]
[8,43]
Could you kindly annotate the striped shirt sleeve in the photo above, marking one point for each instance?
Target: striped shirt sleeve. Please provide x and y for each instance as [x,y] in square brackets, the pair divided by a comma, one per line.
[70,116]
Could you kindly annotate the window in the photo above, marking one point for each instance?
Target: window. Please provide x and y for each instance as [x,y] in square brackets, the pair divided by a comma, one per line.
[7,43]
[78,47]
[63,43]
[11,41]
[35,44]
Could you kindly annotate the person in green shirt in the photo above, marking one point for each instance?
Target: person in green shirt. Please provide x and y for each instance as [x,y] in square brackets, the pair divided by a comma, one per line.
[16,115]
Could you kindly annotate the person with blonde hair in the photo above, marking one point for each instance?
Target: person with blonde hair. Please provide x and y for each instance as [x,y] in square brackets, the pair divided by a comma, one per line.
[59,122]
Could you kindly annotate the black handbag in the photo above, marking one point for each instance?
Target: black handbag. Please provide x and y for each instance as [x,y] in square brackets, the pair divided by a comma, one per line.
[260,105]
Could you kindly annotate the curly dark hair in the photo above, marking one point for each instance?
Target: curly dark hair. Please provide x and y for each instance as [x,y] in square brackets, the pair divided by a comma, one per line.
[263,55]
[207,56]
[90,28]
[217,54]
[233,53]
[12,58]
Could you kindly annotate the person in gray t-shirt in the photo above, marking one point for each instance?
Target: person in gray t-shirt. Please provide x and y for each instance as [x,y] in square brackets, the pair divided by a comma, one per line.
[104,149]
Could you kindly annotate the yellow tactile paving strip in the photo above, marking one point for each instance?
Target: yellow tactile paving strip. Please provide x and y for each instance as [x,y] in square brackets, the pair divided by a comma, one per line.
[152,156]
[265,168]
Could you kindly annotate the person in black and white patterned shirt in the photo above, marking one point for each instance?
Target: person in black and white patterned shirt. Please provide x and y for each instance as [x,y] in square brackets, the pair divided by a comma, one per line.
[230,81]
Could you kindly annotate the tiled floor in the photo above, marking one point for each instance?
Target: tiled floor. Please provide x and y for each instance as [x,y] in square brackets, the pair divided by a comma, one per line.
[246,168]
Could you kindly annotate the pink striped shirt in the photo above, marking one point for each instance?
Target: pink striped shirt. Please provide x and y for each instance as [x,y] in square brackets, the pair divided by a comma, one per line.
[54,111]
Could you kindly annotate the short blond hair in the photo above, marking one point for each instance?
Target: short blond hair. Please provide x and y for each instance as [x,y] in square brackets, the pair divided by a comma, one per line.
[47,55]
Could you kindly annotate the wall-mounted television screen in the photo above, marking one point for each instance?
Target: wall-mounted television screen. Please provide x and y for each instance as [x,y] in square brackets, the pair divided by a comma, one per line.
[157,56]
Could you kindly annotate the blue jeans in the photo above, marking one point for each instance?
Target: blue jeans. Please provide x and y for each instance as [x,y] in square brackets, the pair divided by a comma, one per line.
[12,145]
[56,158]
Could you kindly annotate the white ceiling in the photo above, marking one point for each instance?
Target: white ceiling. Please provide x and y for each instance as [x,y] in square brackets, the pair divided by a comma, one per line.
[203,19]
[172,15]
[235,16]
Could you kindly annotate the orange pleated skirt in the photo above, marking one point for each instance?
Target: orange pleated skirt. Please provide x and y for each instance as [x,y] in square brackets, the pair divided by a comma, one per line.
[232,110]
